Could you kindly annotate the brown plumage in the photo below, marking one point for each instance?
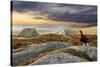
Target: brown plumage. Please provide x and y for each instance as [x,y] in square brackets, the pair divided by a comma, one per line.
[83,38]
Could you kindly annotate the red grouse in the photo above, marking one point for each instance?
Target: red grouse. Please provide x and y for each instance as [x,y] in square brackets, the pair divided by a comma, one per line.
[84,39]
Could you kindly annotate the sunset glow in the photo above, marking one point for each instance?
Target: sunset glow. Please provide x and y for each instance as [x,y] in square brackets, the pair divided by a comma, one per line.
[22,18]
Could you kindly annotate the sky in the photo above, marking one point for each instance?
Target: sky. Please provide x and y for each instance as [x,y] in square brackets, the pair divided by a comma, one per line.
[24,12]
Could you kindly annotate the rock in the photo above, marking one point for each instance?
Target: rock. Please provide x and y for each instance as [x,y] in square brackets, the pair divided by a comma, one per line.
[70,54]
[61,32]
[69,32]
[35,49]
[89,50]
[58,52]
[66,32]
[28,32]
[58,58]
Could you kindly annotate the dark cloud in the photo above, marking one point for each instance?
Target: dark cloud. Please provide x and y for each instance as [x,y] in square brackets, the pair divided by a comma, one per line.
[21,6]
[59,12]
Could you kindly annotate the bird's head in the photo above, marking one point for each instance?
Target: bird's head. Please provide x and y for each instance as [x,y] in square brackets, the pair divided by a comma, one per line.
[80,31]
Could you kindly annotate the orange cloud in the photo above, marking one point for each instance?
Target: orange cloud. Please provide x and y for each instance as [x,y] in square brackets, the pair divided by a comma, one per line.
[23,18]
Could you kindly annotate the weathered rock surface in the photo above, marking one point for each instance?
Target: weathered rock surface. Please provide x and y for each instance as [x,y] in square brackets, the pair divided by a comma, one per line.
[89,50]
[58,58]
[28,32]
[69,55]
[22,54]
[66,32]
[58,52]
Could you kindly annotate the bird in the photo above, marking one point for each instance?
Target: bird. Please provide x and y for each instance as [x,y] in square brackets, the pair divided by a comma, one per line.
[84,39]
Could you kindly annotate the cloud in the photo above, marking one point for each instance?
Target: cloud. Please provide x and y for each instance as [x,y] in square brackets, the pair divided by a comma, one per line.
[58,12]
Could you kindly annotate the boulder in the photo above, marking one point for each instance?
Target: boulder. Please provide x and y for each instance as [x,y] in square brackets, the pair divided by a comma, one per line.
[57,52]
[58,58]
[69,32]
[89,51]
[22,54]
[71,54]
[66,32]
[28,32]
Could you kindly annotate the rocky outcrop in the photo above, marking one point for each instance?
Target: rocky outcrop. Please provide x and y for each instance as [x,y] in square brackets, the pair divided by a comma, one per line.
[66,32]
[59,58]
[22,54]
[28,32]
[69,32]
[69,55]
[90,51]
[57,52]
